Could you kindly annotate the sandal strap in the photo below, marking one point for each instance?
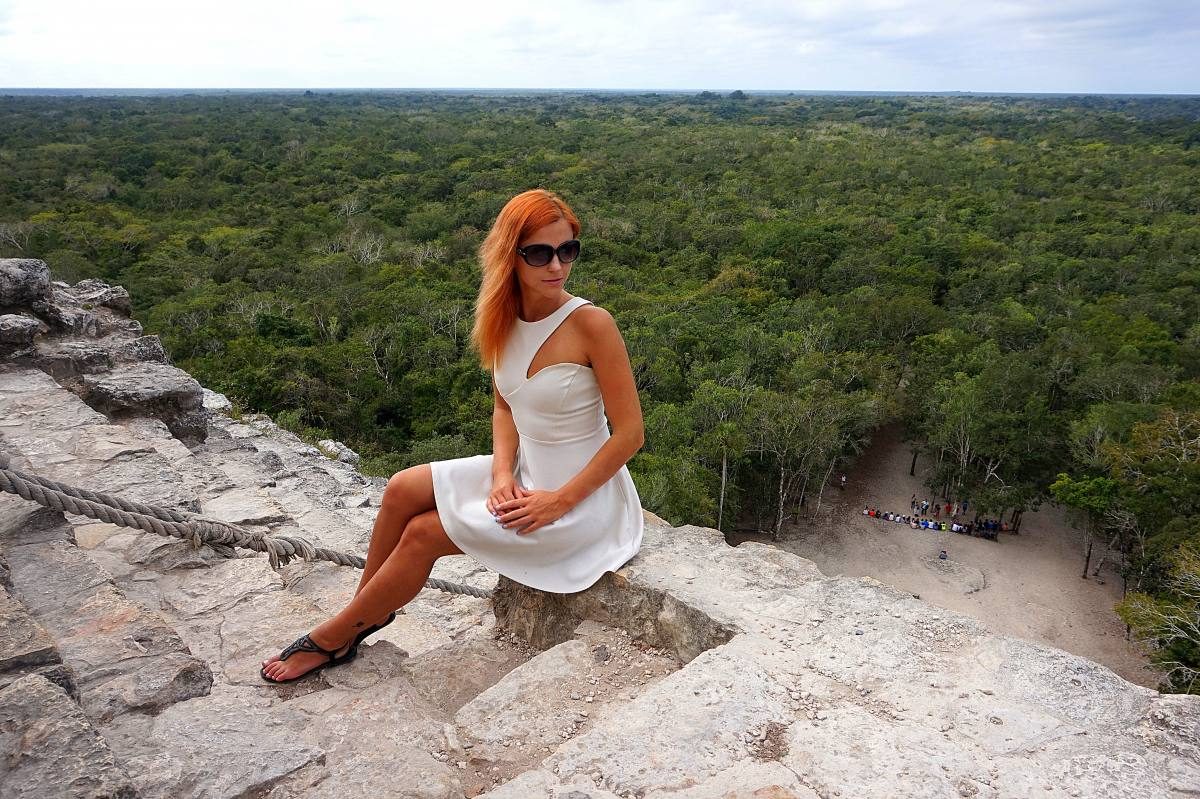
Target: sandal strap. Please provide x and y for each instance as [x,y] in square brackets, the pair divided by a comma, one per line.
[374,628]
[306,644]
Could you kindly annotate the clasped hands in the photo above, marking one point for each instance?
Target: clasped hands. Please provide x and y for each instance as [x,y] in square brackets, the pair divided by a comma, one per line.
[522,510]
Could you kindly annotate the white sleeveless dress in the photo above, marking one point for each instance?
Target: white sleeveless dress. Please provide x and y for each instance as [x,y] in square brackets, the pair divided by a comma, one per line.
[559,415]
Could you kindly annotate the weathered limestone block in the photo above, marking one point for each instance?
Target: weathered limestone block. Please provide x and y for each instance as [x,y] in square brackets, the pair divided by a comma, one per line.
[216,402]
[435,666]
[545,786]
[654,617]
[91,309]
[54,434]
[71,320]
[378,738]
[234,743]
[853,687]
[24,282]
[258,626]
[244,506]
[690,723]
[68,359]
[26,648]
[63,360]
[23,642]
[150,389]
[158,435]
[124,658]
[17,333]
[48,748]
[96,292]
[340,451]
[1172,724]
[769,778]
[522,706]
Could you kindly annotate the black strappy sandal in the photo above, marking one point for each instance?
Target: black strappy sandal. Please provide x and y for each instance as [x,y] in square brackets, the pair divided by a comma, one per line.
[306,644]
[372,630]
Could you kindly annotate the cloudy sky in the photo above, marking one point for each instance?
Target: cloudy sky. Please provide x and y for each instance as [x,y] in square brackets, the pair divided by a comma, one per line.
[1137,46]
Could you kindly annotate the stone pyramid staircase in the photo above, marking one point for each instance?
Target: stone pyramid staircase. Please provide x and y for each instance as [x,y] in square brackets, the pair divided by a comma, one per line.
[129,662]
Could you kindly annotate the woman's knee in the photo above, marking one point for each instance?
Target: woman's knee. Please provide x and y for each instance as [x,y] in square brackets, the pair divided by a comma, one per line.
[410,489]
[425,536]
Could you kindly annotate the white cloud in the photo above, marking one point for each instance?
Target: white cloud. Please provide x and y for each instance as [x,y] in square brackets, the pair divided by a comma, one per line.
[923,45]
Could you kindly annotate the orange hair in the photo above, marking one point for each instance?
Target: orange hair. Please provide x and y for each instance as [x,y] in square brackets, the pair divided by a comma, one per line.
[499,293]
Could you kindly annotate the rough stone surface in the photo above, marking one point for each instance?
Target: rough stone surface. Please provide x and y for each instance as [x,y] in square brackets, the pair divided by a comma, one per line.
[339,451]
[99,352]
[96,292]
[244,506]
[217,402]
[150,389]
[26,648]
[518,705]
[231,744]
[89,309]
[23,642]
[48,748]
[125,659]
[67,359]
[860,688]
[43,424]
[16,334]
[223,745]
[23,282]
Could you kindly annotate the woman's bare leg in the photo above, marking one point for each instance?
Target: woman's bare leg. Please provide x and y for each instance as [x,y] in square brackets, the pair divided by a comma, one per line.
[396,582]
[409,493]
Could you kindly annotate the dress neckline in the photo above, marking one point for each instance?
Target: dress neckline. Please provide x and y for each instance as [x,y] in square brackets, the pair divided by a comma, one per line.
[549,316]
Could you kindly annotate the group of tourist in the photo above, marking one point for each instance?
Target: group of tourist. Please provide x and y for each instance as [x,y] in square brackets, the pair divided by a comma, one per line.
[988,528]
[951,509]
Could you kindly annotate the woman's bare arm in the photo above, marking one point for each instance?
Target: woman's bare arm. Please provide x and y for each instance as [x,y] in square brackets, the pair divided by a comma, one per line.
[610,363]
[504,437]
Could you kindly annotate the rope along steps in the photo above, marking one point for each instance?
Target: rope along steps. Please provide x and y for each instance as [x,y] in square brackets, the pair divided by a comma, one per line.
[224,538]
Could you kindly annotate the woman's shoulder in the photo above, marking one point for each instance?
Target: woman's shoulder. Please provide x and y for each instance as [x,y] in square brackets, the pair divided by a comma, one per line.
[594,318]
[598,327]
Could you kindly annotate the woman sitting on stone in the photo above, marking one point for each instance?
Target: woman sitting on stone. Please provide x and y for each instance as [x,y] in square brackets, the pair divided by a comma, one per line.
[553,507]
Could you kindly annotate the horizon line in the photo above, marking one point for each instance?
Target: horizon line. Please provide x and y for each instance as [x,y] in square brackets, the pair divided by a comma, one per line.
[26,90]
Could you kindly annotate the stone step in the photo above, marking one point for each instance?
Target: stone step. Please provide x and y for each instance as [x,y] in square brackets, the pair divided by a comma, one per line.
[49,748]
[273,469]
[124,658]
[26,648]
[832,686]
[55,435]
[336,728]
[553,697]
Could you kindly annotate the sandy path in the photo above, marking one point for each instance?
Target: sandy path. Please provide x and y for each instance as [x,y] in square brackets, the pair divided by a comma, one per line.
[1031,583]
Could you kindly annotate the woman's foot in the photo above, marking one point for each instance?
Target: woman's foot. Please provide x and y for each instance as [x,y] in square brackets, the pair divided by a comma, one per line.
[301,662]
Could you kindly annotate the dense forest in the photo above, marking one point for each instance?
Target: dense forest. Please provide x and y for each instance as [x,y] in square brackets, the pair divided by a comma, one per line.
[1014,280]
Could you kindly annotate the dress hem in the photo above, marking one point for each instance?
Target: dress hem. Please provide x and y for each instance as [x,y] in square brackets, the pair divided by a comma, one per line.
[450,533]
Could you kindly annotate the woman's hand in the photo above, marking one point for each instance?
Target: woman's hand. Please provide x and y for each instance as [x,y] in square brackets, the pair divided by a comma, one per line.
[530,510]
[503,489]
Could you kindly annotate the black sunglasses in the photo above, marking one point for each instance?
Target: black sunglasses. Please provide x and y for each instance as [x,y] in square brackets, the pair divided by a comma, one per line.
[540,254]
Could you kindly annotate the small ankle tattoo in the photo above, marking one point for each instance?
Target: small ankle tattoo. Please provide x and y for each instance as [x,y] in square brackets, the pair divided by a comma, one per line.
[358,624]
